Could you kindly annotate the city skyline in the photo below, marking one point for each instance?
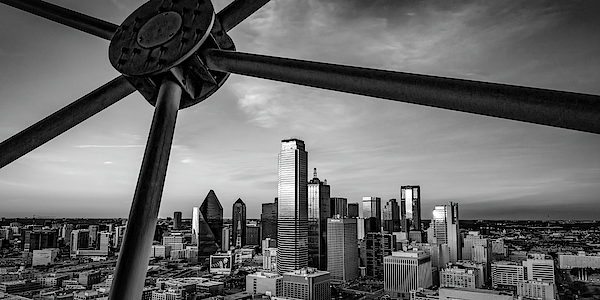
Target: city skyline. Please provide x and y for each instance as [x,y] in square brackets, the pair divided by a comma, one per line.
[495,169]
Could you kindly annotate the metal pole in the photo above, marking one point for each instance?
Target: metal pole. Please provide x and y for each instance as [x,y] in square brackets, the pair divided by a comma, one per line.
[85,23]
[63,120]
[237,11]
[130,273]
[546,107]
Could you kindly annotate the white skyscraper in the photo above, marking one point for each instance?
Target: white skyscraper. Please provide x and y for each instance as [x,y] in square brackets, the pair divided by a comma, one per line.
[292,208]
[195,224]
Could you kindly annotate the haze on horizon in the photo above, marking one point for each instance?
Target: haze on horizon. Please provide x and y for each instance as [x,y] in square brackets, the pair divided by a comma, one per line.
[494,169]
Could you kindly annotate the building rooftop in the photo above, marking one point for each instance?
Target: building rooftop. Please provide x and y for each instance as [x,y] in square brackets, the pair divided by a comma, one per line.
[306,272]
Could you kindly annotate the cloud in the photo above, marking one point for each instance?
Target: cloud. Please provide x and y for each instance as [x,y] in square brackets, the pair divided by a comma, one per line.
[110,146]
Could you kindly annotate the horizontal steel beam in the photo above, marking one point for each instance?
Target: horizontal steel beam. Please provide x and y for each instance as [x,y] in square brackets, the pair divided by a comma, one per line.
[237,11]
[540,106]
[64,119]
[85,23]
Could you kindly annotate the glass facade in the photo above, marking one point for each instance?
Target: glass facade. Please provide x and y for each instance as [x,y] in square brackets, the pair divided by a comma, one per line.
[411,196]
[239,224]
[268,220]
[292,207]
[372,214]
[212,211]
[318,212]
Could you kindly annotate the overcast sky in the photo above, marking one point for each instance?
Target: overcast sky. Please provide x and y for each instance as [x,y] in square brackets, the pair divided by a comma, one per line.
[494,169]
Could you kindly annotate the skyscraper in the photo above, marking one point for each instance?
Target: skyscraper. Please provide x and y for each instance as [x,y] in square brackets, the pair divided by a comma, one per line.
[202,235]
[391,216]
[353,210]
[292,207]
[372,214]
[339,206]
[406,271]
[177,220]
[411,195]
[212,211]
[446,230]
[342,260]
[268,220]
[239,224]
[318,212]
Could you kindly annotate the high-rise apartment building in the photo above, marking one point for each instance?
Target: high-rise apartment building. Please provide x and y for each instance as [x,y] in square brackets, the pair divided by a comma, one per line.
[339,206]
[391,216]
[318,212]
[540,267]
[177,220]
[212,211]
[411,195]
[268,220]
[372,214]
[406,271]
[506,274]
[342,260]
[292,207]
[353,211]
[446,230]
[239,224]
[307,283]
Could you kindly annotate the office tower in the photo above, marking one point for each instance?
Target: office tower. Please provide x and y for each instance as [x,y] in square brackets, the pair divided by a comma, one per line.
[406,271]
[292,207]
[499,249]
[318,212]
[80,239]
[353,210]
[177,220]
[372,214]
[459,277]
[66,233]
[404,223]
[212,211]
[439,253]
[478,249]
[268,220]
[39,239]
[307,283]
[446,230]
[540,267]
[391,216]
[411,195]
[506,274]
[533,289]
[253,234]
[239,224]
[269,259]
[202,235]
[339,206]
[104,243]
[378,246]
[342,260]
[226,239]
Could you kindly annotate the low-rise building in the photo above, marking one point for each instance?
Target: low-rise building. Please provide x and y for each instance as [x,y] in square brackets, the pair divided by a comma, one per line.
[263,283]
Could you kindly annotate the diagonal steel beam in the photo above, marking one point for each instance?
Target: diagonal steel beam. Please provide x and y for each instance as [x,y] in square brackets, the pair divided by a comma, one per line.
[237,11]
[540,106]
[85,23]
[64,119]
[130,273]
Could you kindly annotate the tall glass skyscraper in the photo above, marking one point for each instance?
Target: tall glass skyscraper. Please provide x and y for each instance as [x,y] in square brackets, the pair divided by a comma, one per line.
[339,206]
[212,211]
[411,195]
[239,224]
[318,212]
[292,207]
[268,220]
[372,214]
[391,216]
[446,230]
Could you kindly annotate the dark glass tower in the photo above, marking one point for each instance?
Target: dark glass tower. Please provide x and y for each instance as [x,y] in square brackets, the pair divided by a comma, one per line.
[339,206]
[268,220]
[318,212]
[238,235]
[212,211]
[292,208]
[353,210]
[411,195]
[391,216]
[177,220]
[372,214]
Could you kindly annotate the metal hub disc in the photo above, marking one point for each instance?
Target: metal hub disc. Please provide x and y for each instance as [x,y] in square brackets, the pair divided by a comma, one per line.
[159,35]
